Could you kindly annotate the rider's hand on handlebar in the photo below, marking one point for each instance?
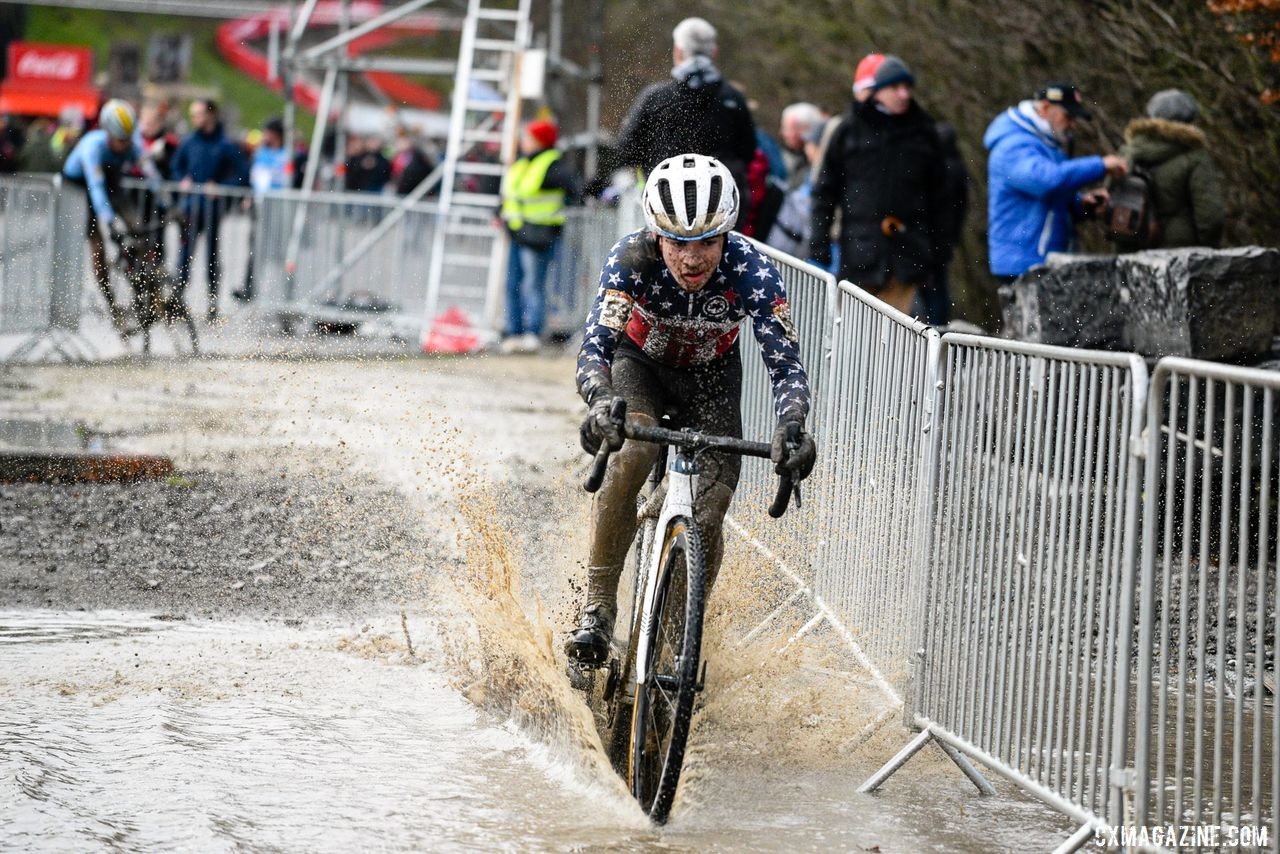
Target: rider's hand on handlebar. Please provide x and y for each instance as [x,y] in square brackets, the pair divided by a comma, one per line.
[598,427]
[794,451]
[117,228]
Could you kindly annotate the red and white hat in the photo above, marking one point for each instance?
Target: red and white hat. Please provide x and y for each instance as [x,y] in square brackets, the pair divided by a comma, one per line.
[864,77]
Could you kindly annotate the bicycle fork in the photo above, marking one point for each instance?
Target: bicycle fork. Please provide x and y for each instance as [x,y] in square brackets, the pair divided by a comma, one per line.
[682,483]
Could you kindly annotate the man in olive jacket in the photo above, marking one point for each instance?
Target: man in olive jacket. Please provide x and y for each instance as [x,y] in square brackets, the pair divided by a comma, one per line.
[884,168]
[1186,186]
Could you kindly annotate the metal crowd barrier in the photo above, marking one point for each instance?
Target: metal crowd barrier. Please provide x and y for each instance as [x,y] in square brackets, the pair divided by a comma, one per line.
[876,428]
[787,544]
[1024,658]
[42,228]
[572,282]
[1207,729]
[197,209]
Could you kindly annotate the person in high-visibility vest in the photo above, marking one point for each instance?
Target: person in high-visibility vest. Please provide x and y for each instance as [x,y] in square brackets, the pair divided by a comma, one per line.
[535,191]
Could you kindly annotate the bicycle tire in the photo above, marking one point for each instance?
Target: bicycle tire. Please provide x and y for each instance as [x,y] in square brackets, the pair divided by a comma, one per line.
[663,706]
[620,703]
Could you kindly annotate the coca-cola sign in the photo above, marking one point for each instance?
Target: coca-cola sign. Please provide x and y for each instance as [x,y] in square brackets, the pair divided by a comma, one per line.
[50,63]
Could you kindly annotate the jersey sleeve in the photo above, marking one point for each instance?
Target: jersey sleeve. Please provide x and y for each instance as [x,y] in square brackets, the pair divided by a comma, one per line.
[95,178]
[775,332]
[609,315]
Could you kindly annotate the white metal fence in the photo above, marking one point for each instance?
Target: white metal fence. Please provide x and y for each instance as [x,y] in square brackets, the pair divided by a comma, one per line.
[980,510]
[1207,729]
[1029,575]
[324,280]
[42,226]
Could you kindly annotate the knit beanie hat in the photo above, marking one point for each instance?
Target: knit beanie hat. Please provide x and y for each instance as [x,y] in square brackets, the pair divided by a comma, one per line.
[891,71]
[544,133]
[1173,105]
[864,77]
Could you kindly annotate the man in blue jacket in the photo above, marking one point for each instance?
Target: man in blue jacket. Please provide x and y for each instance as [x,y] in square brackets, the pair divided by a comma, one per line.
[206,158]
[1034,193]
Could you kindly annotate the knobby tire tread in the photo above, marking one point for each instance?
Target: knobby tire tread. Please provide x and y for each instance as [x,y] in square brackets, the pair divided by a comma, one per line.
[695,604]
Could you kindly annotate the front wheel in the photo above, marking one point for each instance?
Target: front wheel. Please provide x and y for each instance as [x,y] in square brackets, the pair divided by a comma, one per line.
[663,705]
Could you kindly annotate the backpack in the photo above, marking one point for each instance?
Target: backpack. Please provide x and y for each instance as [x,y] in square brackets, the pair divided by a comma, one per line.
[1131,213]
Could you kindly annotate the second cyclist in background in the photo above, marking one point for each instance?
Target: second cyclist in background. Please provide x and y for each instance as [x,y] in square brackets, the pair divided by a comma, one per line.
[97,163]
[663,334]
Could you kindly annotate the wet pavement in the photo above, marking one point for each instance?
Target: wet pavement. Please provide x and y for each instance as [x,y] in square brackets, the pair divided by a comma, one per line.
[336,628]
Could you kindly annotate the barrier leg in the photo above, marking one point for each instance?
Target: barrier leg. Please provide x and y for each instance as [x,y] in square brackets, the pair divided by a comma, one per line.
[913,747]
[1076,841]
[967,767]
[887,770]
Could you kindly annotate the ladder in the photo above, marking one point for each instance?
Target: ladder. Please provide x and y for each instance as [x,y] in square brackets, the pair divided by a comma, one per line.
[468,254]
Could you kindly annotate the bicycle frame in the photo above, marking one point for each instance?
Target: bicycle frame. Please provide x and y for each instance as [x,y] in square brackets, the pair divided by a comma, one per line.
[682,486]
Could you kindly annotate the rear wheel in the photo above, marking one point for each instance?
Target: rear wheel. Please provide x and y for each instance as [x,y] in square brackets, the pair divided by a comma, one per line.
[663,705]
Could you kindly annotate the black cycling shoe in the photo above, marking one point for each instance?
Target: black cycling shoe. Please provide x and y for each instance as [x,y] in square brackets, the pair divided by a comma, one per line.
[588,645]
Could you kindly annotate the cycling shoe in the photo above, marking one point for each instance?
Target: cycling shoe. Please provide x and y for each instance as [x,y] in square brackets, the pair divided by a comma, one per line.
[588,644]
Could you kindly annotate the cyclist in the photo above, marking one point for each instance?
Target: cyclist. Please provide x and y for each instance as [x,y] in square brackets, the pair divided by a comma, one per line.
[97,163]
[663,335]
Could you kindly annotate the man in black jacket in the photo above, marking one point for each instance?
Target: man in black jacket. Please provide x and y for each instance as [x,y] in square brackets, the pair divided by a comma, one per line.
[696,112]
[883,166]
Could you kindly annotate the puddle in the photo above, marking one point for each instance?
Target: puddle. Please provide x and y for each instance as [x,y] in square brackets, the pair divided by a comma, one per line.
[130,732]
[51,627]
[19,434]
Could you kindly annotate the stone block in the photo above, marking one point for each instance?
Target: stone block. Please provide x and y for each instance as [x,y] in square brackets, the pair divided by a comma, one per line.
[1221,305]
[1070,301]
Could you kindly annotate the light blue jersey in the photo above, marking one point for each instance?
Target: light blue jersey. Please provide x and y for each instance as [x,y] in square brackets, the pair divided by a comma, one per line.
[89,162]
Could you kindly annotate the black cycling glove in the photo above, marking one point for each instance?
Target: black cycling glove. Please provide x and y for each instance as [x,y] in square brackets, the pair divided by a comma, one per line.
[794,451]
[598,428]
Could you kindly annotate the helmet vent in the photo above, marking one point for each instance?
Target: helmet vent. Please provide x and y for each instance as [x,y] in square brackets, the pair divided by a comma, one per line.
[664,194]
[691,201]
[717,187]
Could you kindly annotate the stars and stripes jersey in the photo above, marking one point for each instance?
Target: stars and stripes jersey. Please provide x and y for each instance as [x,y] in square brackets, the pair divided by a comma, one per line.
[639,298]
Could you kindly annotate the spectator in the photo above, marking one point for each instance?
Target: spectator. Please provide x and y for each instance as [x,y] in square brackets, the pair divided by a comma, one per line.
[208,159]
[1186,186]
[798,121]
[368,169]
[70,129]
[1033,182]
[535,191]
[158,145]
[410,166]
[37,153]
[696,112]
[11,141]
[790,231]
[935,294]
[155,138]
[269,170]
[883,169]
[270,167]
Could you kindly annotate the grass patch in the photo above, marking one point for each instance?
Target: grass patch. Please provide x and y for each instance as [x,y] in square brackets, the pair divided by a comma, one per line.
[98,29]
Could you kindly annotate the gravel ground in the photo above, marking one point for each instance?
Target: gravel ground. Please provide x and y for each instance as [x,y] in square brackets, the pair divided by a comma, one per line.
[210,543]
[301,487]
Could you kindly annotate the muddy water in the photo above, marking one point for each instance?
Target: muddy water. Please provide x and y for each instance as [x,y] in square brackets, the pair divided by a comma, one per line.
[324,732]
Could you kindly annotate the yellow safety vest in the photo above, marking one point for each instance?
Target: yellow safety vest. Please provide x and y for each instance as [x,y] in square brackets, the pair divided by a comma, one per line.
[524,200]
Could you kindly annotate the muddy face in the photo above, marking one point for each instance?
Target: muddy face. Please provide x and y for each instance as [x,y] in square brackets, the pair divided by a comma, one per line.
[693,261]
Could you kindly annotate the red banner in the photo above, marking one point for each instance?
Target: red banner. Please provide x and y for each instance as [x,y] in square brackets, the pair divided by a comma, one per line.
[50,64]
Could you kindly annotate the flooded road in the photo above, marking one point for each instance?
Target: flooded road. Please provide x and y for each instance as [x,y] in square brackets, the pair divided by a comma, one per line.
[339,631]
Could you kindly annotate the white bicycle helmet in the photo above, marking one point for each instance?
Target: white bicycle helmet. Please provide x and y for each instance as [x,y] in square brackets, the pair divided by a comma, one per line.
[690,197]
[117,119]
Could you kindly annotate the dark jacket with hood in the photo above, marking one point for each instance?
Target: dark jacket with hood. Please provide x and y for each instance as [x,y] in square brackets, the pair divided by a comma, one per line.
[1186,185]
[696,112]
[876,166]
